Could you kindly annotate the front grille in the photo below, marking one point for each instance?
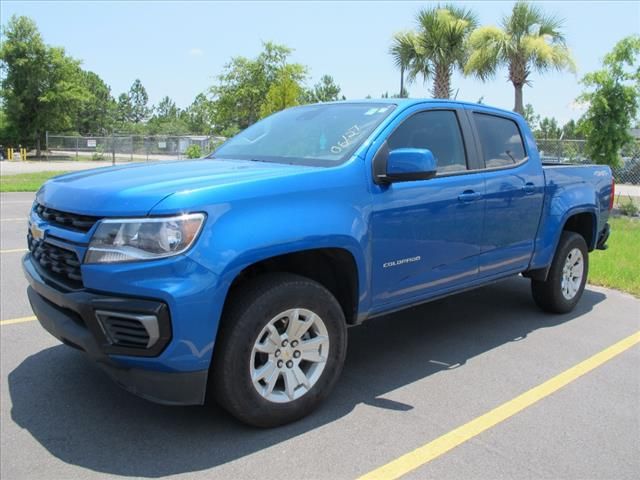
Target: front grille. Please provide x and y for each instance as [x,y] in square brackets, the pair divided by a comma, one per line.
[72,221]
[59,263]
[129,330]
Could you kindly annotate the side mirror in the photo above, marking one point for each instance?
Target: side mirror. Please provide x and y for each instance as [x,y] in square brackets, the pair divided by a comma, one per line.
[404,165]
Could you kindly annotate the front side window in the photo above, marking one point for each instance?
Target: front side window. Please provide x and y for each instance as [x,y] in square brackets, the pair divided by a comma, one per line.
[436,130]
[500,139]
[323,134]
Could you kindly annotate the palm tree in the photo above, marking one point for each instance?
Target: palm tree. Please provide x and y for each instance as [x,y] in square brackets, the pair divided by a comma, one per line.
[403,51]
[441,44]
[528,40]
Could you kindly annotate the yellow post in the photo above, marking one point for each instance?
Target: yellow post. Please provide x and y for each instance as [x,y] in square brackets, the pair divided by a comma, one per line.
[10,153]
[23,154]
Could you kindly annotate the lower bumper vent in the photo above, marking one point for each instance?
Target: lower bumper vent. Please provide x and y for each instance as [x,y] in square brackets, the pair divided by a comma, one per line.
[129,330]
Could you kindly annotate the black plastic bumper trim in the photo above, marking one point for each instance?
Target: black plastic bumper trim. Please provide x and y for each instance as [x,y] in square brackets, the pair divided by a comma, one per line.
[69,316]
[82,305]
[604,236]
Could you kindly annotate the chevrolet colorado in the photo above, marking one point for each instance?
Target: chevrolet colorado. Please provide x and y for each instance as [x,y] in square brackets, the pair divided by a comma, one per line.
[237,275]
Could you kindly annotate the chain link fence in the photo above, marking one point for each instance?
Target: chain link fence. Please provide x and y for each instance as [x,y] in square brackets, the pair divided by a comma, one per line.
[127,148]
[573,151]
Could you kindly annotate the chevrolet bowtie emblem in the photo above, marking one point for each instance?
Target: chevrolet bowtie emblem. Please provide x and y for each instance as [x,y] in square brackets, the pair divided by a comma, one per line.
[36,232]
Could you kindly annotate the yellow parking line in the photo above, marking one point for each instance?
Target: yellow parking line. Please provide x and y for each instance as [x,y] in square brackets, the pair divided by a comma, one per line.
[14,250]
[449,441]
[17,320]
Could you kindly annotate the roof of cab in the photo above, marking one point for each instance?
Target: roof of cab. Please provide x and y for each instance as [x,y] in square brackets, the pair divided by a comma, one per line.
[408,102]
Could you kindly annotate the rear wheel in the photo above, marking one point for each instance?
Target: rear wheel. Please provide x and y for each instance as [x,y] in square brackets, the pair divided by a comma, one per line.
[564,285]
[280,350]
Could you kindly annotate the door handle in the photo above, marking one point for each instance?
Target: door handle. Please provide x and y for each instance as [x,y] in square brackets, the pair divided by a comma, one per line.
[529,188]
[469,196]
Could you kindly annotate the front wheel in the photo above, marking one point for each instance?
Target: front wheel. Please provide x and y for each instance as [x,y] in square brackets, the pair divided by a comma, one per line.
[280,349]
[564,285]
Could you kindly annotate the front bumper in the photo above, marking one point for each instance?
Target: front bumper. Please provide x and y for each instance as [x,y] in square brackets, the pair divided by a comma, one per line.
[70,317]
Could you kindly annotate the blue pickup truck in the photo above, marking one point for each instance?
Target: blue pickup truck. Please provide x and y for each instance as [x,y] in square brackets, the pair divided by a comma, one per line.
[236,276]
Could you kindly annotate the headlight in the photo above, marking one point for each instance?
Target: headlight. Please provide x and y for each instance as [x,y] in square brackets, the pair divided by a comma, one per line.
[134,239]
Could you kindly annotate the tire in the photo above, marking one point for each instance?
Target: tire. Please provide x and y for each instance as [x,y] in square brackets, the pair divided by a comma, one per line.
[245,336]
[552,295]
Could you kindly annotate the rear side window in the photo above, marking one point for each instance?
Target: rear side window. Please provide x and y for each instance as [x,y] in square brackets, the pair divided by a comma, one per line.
[500,139]
[436,130]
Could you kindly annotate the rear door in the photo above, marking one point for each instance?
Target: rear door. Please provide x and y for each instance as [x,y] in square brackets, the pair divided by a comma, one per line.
[514,191]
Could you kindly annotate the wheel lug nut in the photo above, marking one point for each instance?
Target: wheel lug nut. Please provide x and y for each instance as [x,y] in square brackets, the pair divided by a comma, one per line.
[278,353]
[296,354]
[284,343]
[289,364]
[280,363]
[294,343]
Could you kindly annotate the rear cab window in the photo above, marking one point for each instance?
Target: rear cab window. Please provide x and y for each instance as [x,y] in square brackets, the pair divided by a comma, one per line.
[500,140]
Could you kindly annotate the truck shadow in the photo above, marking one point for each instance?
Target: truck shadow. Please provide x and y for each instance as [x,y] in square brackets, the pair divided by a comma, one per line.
[74,411]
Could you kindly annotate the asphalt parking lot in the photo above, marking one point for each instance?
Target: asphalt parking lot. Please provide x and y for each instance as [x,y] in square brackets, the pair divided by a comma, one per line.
[410,379]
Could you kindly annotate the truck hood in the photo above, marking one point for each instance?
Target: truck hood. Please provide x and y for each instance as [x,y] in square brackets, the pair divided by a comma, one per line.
[134,189]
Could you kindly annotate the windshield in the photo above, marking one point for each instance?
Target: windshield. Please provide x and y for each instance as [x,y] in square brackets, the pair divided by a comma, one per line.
[324,134]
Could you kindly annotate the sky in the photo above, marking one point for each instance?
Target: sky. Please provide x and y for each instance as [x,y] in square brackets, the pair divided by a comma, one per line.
[178,48]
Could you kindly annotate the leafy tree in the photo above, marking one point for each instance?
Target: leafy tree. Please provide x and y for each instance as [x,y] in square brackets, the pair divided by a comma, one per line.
[124,110]
[286,91]
[244,85]
[96,114]
[166,109]
[139,99]
[326,90]
[548,129]
[530,116]
[167,119]
[42,88]
[404,52]
[529,40]
[199,115]
[570,131]
[613,97]
[440,45]
[6,129]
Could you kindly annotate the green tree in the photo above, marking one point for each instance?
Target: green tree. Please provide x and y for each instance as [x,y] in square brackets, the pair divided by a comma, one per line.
[404,53]
[166,109]
[124,110]
[531,117]
[42,88]
[613,96]
[548,129]
[167,119]
[286,91]
[97,113]
[528,41]
[570,131]
[243,87]
[326,90]
[199,115]
[440,45]
[139,102]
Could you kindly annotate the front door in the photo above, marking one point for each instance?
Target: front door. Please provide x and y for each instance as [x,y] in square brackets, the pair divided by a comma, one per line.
[426,234]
